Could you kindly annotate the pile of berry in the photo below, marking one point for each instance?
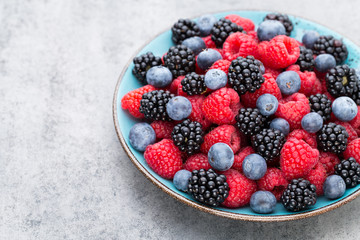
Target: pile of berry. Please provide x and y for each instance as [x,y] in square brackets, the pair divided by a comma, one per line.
[236,116]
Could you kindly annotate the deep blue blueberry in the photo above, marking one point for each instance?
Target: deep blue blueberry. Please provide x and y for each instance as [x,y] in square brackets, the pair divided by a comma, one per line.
[267,30]
[215,79]
[310,38]
[280,124]
[267,104]
[263,202]
[324,62]
[159,76]
[289,82]
[312,122]
[254,166]
[221,156]
[181,179]
[334,187]
[205,24]
[178,108]
[344,109]
[141,135]
[196,44]
[207,57]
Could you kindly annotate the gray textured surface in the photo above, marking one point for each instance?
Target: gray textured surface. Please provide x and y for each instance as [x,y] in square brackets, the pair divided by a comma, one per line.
[63,173]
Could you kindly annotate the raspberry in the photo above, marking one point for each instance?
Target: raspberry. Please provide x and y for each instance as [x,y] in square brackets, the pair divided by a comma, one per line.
[269,86]
[273,72]
[297,158]
[209,42]
[226,134]
[239,45]
[253,34]
[317,88]
[162,129]
[221,106]
[273,181]
[239,158]
[221,64]
[317,176]
[308,80]
[293,109]
[197,162]
[350,130]
[197,113]
[164,158]
[241,189]
[176,84]
[309,138]
[198,70]
[279,52]
[131,100]
[353,150]
[355,123]
[245,23]
[329,160]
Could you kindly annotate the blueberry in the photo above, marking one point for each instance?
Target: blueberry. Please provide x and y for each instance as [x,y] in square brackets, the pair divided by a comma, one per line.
[310,38]
[159,76]
[205,24]
[324,62]
[269,29]
[181,179]
[280,124]
[215,79]
[254,166]
[207,57]
[312,122]
[289,82]
[267,104]
[221,156]
[196,44]
[262,202]
[357,72]
[141,135]
[344,109]
[178,108]
[334,187]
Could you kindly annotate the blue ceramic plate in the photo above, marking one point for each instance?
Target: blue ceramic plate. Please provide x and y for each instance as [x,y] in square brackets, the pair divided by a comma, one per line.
[123,122]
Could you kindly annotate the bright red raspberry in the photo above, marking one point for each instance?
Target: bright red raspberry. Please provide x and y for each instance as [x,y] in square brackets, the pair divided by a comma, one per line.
[280,52]
[239,45]
[208,42]
[351,131]
[131,100]
[221,106]
[353,150]
[253,34]
[175,84]
[197,113]
[226,134]
[317,88]
[221,64]
[164,158]
[198,70]
[162,129]
[239,158]
[273,181]
[329,160]
[197,162]
[269,86]
[245,23]
[293,109]
[300,134]
[297,158]
[355,123]
[273,72]
[317,176]
[308,80]
[241,189]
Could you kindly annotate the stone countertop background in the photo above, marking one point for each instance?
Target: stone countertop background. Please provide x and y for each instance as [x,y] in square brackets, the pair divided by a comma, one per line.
[63,172]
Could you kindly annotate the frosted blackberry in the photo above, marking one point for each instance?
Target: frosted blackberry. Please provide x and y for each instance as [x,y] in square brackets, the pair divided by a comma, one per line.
[349,170]
[342,81]
[321,104]
[283,18]
[153,105]
[268,143]
[188,136]
[193,84]
[180,60]
[183,29]
[306,59]
[332,138]
[143,63]
[330,45]
[222,29]
[250,121]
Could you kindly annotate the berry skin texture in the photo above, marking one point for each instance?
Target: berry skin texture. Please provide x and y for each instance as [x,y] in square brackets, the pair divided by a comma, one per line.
[162,129]
[335,47]
[215,79]
[273,181]
[197,114]
[221,64]
[131,100]
[306,59]
[196,44]
[344,109]
[153,105]
[349,170]
[181,179]
[175,85]
[317,176]
[180,60]
[349,129]
[310,38]
[178,108]
[280,124]
[144,62]
[297,158]
[164,158]
[221,106]
[207,57]
[239,45]
[308,80]
[221,156]
[283,18]
[332,138]
[183,29]
[241,189]
[222,29]
[262,202]
[141,135]
[209,42]
[239,158]
[355,123]
[159,76]
[196,162]
[301,134]
[329,160]
[353,150]
[268,143]
[324,62]
[250,121]
[334,187]
[193,84]
[267,104]
[321,104]
[289,82]
[205,24]
[254,166]
[188,136]
[245,23]
[267,30]
[312,122]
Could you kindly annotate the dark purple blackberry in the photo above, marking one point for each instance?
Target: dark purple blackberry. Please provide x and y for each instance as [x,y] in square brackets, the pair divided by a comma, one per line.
[208,187]
[306,59]
[180,60]
[330,45]
[183,29]
[193,84]
[283,18]
[332,138]
[245,75]
[250,121]
[268,143]
[188,136]
[143,63]
[299,195]
[153,105]
[222,29]
[342,81]
[349,170]
[321,104]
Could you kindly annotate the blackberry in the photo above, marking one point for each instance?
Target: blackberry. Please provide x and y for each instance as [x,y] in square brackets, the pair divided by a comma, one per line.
[283,18]
[208,187]
[349,170]
[299,195]
[245,75]
[143,63]
[306,59]
[268,143]
[250,121]
[183,29]
[180,60]
[342,81]
[222,29]
[188,136]
[328,44]
[332,138]
[153,105]
[193,84]
[321,104]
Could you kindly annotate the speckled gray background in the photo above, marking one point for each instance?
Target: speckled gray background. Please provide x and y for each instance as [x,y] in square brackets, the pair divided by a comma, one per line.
[63,173]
